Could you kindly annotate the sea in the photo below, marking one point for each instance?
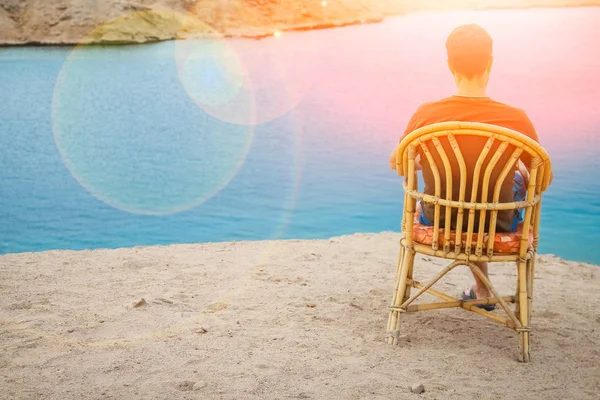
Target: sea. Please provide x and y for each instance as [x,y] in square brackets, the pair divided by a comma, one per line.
[286,137]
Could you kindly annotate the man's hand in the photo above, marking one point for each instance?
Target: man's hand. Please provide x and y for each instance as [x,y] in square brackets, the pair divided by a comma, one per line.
[393,160]
[418,166]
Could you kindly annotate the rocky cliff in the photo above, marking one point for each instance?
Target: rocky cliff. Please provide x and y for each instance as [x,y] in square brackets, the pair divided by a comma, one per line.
[138,21]
[124,21]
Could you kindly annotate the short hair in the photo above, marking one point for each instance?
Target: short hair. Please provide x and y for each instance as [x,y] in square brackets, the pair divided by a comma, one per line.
[469,50]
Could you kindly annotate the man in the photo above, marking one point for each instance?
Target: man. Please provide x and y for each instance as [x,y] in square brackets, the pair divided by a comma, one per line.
[469,49]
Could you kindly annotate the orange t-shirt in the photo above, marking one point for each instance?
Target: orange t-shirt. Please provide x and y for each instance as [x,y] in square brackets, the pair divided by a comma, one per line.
[471,109]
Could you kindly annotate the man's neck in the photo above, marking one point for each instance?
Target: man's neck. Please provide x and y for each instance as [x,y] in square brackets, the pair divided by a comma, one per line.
[470,89]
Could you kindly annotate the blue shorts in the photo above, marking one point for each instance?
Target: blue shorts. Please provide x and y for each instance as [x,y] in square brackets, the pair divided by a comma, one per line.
[519,194]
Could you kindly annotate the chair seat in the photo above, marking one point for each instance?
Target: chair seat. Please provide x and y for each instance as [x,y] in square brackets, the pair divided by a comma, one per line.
[503,242]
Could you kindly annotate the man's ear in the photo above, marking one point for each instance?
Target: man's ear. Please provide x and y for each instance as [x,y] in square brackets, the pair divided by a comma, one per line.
[490,63]
[450,67]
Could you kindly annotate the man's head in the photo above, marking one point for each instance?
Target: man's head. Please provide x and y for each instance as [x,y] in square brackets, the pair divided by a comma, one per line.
[469,50]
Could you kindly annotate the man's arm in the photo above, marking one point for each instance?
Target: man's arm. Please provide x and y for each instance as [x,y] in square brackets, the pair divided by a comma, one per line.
[411,126]
[525,163]
[393,158]
[524,172]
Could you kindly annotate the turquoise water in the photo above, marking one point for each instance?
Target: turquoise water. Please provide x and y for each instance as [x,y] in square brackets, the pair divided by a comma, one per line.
[288,137]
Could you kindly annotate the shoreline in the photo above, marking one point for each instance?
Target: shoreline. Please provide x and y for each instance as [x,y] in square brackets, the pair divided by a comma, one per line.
[257,36]
[545,257]
[203,30]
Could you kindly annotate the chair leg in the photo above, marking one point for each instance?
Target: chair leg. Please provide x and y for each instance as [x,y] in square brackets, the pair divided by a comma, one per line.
[523,311]
[393,314]
[530,276]
[399,265]
[517,306]
[409,275]
[405,266]
[392,317]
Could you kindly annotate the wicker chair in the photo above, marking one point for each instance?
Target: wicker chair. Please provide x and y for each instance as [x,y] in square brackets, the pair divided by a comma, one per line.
[460,240]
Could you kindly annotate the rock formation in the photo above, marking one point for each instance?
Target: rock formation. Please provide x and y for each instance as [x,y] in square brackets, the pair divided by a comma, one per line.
[125,21]
[137,21]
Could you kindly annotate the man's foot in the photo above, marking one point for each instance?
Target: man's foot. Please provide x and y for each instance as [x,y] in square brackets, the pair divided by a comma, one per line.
[469,294]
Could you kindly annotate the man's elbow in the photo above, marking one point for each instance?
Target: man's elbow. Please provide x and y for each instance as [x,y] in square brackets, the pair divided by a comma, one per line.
[393,159]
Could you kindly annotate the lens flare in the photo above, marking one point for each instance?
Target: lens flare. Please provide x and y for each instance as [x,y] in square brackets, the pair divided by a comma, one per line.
[211,73]
[248,82]
[129,134]
[214,76]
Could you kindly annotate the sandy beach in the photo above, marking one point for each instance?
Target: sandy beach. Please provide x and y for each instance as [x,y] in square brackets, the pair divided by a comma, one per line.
[275,320]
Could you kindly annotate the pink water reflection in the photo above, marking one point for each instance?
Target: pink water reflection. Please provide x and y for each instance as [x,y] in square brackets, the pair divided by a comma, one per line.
[546,62]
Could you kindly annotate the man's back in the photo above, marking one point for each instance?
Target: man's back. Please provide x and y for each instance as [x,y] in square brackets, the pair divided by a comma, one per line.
[471,109]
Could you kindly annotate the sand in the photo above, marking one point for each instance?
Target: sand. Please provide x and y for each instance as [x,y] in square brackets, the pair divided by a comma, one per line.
[276,320]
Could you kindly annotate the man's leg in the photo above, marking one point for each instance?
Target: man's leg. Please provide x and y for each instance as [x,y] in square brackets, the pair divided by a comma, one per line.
[481,291]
